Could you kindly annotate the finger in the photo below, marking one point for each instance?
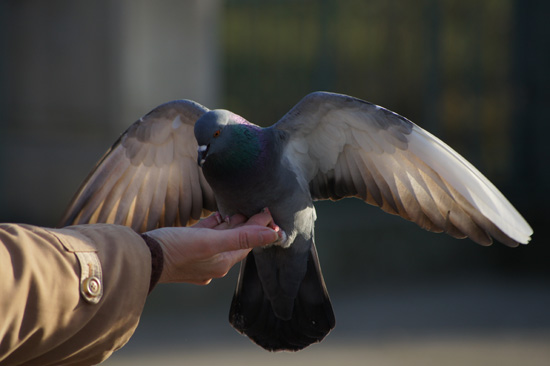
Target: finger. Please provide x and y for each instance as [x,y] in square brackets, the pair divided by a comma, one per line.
[263,218]
[227,222]
[209,222]
[244,237]
[236,220]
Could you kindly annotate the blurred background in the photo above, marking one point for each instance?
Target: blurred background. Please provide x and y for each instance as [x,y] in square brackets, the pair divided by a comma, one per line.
[75,74]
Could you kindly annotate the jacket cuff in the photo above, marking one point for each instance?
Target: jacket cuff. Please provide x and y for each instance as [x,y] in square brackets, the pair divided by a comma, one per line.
[157,260]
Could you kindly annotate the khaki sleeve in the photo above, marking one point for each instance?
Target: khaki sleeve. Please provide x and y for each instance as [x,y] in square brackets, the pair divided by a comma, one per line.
[44,318]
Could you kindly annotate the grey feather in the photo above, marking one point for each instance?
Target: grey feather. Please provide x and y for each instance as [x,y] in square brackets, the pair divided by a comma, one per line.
[406,170]
[149,177]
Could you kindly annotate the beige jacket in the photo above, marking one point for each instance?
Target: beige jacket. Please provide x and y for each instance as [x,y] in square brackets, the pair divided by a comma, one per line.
[47,311]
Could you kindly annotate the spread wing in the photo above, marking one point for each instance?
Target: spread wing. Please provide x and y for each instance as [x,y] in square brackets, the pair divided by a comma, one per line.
[149,178]
[346,147]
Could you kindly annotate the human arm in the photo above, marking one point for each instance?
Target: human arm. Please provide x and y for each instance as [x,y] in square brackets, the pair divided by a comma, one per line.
[45,319]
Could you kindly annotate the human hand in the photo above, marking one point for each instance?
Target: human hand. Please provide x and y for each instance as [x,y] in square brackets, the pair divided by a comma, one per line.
[209,249]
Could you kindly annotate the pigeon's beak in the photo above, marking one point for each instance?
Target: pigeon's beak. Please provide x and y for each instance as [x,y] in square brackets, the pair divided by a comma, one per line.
[201,157]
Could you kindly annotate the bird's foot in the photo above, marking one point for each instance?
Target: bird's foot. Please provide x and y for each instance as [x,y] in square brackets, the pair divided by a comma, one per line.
[283,238]
[218,217]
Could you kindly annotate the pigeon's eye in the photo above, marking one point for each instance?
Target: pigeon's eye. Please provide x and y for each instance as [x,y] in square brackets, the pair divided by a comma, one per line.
[217,133]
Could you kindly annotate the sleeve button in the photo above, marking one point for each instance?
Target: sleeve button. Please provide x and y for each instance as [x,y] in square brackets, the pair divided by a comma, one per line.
[91,286]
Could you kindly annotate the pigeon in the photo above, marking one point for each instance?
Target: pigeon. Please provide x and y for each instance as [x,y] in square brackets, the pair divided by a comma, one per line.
[182,161]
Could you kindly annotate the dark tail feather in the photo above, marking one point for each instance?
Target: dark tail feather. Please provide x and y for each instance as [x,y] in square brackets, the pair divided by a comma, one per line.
[312,318]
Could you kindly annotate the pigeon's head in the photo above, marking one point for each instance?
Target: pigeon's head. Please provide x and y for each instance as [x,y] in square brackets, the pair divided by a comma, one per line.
[213,132]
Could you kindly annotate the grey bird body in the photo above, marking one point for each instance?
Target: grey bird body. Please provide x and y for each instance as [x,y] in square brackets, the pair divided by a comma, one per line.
[329,146]
[248,173]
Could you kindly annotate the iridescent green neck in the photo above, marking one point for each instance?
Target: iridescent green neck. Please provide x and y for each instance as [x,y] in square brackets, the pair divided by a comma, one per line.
[242,155]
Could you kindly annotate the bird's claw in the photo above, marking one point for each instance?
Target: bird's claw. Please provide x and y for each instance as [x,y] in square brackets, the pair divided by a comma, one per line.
[283,238]
[282,241]
[218,217]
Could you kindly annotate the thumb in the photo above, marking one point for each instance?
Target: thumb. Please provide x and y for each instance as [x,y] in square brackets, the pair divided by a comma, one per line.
[244,237]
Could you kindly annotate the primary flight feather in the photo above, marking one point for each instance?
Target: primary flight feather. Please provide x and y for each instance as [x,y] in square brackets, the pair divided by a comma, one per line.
[182,161]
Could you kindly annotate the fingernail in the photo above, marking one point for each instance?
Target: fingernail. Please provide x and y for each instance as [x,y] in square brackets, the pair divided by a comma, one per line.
[265,210]
[227,220]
